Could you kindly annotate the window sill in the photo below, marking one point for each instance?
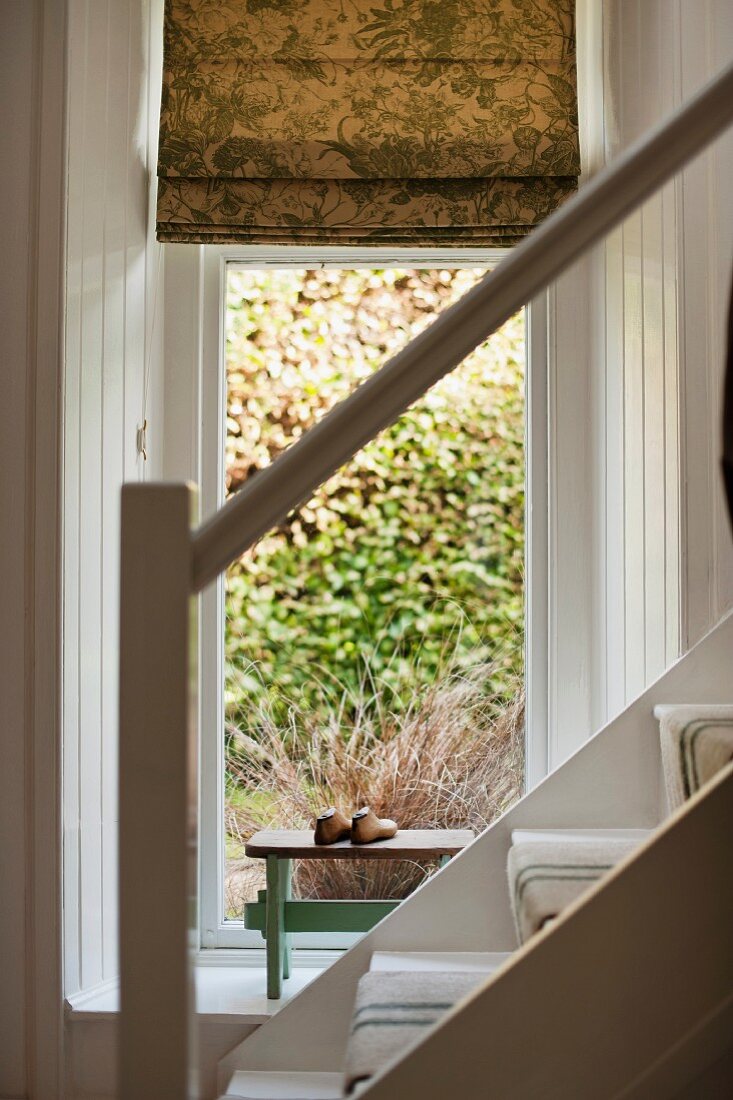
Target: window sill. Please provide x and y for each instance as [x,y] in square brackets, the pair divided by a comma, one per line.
[226,990]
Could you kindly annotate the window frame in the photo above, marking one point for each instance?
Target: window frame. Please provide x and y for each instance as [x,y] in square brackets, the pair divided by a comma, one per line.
[207,393]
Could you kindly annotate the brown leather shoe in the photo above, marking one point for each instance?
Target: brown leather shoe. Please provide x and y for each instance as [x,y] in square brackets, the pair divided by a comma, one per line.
[366,827]
[330,827]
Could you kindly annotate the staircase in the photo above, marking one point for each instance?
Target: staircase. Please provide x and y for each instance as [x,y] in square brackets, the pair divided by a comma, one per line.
[605,969]
[559,878]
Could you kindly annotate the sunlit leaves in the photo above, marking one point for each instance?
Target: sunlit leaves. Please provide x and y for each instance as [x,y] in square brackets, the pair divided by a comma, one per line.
[420,538]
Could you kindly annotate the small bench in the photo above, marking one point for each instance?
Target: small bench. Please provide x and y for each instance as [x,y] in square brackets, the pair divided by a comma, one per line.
[277,916]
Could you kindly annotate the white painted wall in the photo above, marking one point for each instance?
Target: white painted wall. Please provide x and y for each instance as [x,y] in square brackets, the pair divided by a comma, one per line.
[635,383]
[666,277]
[641,554]
[113,381]
[706,246]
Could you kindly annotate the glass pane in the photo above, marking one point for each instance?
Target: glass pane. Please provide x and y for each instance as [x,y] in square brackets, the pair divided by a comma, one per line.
[374,649]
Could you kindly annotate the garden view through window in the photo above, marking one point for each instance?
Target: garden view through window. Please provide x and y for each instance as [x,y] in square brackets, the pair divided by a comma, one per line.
[374,641]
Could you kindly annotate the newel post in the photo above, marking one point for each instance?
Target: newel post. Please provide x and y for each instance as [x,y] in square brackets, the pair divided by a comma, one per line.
[158,793]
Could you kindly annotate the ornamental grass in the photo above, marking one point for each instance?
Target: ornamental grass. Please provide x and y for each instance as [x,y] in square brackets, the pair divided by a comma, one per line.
[451,758]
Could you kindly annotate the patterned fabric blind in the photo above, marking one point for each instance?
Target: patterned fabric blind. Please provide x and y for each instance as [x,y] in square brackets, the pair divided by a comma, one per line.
[414,122]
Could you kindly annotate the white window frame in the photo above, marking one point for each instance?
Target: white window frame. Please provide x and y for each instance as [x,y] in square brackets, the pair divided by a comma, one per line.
[195,396]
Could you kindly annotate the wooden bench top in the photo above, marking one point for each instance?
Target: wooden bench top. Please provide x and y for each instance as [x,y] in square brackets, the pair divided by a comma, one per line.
[406,844]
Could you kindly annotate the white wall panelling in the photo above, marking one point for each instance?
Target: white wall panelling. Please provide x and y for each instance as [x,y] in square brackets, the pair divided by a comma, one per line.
[113,350]
[666,276]
[706,241]
[537,541]
[641,563]
[642,371]
[182,305]
[570,543]
[614,530]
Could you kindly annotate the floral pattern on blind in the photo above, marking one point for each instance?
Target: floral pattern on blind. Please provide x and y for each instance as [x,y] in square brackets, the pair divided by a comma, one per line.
[362,120]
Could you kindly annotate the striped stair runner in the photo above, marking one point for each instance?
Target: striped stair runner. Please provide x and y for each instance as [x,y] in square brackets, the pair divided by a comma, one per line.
[393,1010]
[549,869]
[403,994]
[395,1005]
[697,742]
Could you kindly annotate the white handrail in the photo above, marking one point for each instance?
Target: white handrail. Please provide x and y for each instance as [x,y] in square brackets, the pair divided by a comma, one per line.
[600,205]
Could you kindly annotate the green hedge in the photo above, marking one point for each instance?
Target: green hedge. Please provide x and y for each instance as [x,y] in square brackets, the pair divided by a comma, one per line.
[416,547]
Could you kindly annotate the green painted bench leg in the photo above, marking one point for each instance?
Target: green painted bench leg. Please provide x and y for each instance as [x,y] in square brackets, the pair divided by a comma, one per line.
[274,929]
[286,892]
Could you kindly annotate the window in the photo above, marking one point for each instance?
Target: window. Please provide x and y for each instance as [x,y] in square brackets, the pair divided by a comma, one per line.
[222,269]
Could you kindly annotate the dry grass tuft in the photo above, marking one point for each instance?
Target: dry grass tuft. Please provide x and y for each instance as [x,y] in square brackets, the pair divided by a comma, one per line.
[452,759]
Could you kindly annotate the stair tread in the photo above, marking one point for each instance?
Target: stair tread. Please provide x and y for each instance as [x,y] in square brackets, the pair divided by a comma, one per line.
[696,742]
[284,1085]
[480,962]
[547,872]
[571,836]
[691,710]
[393,1010]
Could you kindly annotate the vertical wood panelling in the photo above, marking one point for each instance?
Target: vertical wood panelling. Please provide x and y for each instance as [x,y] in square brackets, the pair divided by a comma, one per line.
[113,458]
[639,87]
[92,164]
[597,448]
[655,474]
[137,286]
[674,532]
[70,535]
[656,538]
[660,549]
[633,414]
[721,51]
[155,323]
[706,227]
[641,569]
[616,593]
[695,353]
[571,517]
[112,265]
[613,646]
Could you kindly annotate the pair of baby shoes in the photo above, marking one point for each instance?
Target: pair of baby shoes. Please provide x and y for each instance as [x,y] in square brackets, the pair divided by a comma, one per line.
[363,828]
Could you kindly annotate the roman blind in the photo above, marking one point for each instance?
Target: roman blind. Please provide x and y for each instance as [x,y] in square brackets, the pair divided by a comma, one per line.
[414,122]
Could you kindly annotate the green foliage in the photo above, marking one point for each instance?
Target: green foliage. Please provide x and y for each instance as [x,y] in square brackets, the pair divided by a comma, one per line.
[415,543]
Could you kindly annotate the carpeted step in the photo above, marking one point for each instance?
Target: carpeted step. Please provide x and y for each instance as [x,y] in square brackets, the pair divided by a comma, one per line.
[549,869]
[393,1010]
[697,741]
[468,962]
